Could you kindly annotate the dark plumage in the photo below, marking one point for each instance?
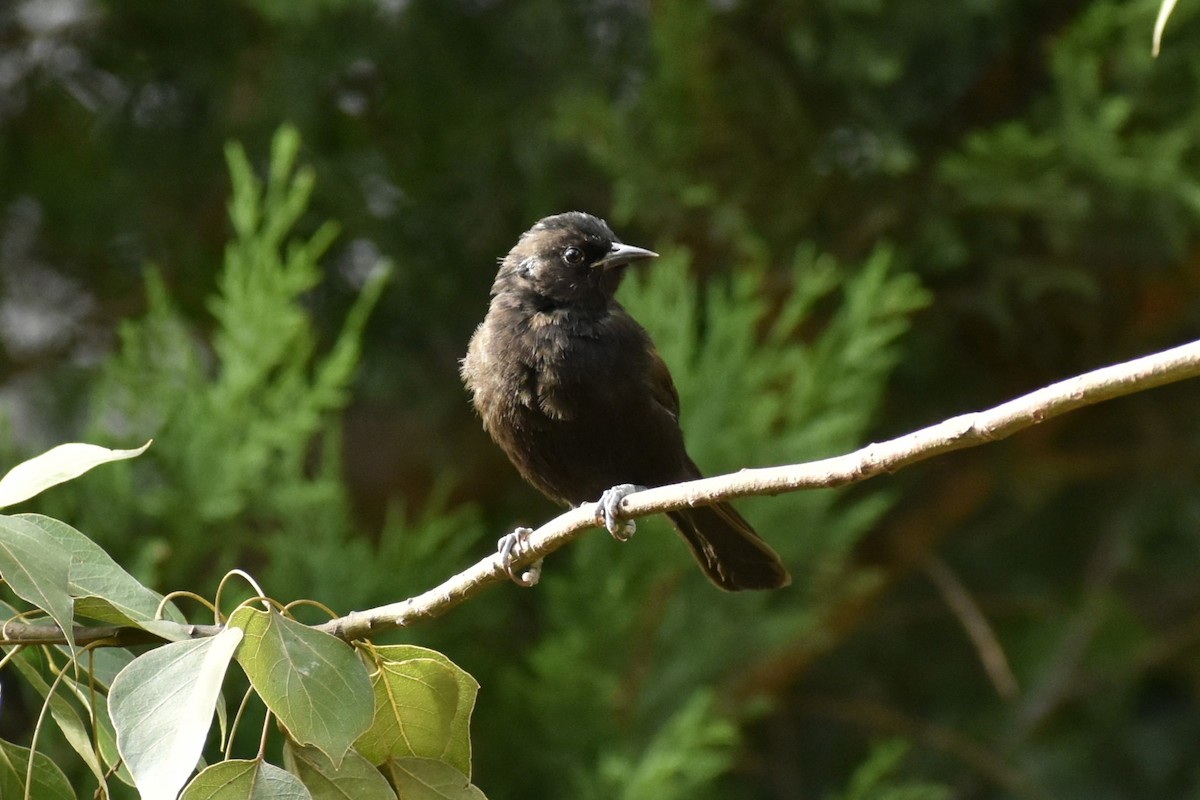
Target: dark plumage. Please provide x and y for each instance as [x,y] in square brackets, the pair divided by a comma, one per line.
[573,390]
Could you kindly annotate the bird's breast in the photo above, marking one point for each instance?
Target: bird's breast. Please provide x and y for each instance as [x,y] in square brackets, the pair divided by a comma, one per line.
[579,366]
[565,396]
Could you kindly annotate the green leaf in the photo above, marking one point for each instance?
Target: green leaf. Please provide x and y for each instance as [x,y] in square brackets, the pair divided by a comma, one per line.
[245,780]
[103,590]
[423,705]
[881,776]
[48,782]
[37,568]
[162,707]
[313,682]
[415,702]
[356,779]
[104,732]
[55,466]
[64,714]
[687,753]
[100,667]
[103,663]
[427,779]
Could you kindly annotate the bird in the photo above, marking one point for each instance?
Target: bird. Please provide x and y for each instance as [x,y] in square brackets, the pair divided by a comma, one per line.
[574,391]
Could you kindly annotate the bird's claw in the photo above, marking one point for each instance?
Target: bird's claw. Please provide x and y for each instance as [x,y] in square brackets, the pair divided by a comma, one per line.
[509,548]
[610,504]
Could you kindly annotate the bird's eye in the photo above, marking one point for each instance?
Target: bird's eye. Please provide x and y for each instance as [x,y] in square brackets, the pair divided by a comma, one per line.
[573,255]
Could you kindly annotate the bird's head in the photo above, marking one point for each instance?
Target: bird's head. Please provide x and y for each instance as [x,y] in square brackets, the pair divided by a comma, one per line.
[571,258]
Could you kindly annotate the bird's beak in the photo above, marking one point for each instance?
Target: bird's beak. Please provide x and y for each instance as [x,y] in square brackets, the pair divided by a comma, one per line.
[622,254]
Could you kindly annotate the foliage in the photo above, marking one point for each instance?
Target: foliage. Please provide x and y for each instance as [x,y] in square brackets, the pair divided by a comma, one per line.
[237,425]
[349,715]
[421,701]
[877,778]
[1031,163]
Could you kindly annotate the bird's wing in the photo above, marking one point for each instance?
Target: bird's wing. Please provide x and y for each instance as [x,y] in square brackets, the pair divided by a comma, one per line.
[662,388]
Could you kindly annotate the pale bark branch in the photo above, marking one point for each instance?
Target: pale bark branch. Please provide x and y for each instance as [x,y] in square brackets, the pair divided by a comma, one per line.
[959,432]
[967,430]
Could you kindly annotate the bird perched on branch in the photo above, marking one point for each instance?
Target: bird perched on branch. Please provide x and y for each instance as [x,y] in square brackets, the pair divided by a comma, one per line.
[572,388]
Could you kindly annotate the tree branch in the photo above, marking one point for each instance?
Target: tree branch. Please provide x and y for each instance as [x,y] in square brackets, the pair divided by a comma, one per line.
[32,633]
[957,433]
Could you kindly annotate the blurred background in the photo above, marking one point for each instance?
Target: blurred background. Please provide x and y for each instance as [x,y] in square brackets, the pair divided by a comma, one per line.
[873,216]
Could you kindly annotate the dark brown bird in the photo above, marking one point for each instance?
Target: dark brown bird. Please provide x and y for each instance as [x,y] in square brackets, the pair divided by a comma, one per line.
[572,388]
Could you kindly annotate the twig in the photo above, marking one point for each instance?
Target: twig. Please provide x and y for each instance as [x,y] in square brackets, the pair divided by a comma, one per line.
[29,633]
[970,616]
[957,433]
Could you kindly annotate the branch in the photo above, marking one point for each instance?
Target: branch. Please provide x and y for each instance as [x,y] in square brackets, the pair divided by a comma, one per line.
[973,621]
[957,433]
[31,633]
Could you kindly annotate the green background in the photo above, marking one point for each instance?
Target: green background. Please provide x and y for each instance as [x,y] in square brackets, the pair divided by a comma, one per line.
[873,216]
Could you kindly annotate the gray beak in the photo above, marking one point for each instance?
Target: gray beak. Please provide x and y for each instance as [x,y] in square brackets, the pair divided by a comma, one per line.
[622,254]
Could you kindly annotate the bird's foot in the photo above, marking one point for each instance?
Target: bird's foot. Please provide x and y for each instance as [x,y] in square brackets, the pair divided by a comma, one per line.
[609,508]
[509,548]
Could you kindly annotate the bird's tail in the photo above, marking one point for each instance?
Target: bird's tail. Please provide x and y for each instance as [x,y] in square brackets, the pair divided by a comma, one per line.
[729,551]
